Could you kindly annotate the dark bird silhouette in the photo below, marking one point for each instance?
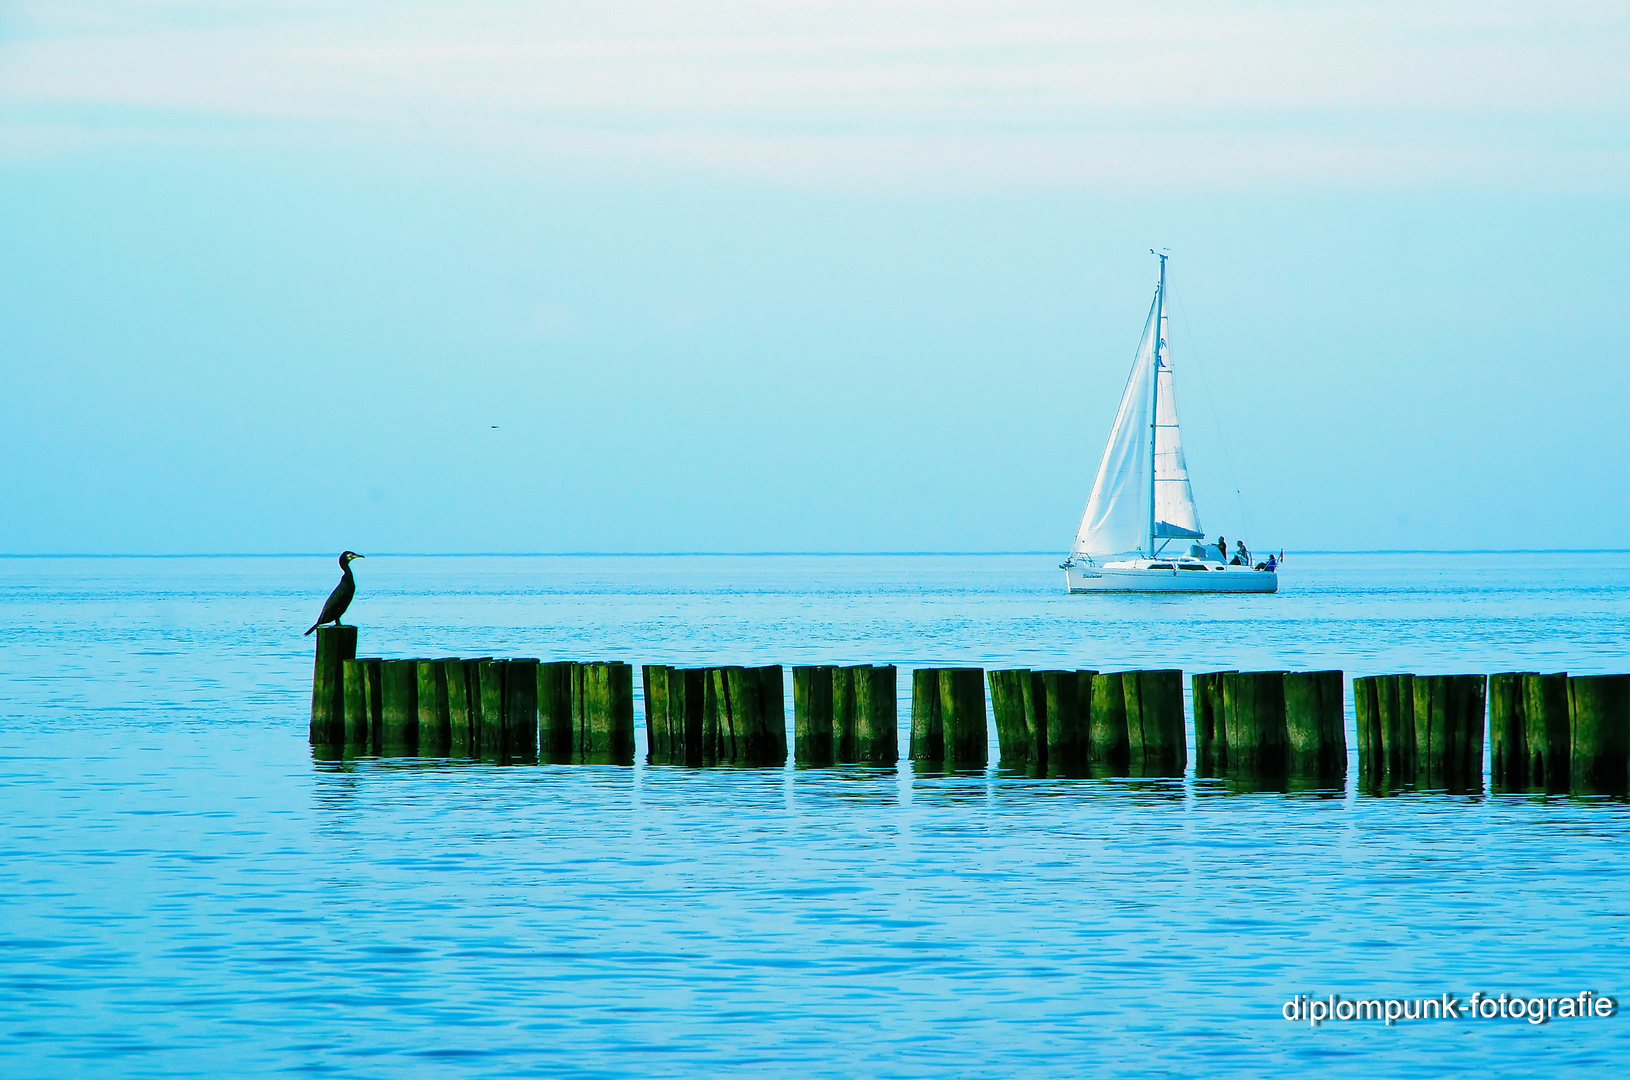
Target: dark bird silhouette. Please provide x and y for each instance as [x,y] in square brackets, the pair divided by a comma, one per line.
[340,598]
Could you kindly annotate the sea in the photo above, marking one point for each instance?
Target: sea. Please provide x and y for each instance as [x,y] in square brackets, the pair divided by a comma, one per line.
[185,890]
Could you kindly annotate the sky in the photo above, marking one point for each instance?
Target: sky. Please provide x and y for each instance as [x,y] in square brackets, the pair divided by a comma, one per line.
[435,277]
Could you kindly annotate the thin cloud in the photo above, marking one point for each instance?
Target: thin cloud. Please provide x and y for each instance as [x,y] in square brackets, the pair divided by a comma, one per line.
[876,94]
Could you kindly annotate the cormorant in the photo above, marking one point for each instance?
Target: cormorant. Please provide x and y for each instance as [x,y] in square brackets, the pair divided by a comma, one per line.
[340,598]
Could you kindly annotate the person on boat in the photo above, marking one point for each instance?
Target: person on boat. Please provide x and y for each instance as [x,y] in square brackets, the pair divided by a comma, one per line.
[1272,564]
[1222,548]
[1243,554]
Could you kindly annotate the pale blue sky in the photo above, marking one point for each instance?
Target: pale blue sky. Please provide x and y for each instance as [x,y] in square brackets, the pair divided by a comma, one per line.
[804,276]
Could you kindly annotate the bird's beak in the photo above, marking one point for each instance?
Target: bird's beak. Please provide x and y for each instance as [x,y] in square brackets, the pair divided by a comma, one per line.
[359,556]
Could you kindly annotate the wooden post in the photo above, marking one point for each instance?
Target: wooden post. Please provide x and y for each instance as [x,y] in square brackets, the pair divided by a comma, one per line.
[521,710]
[962,717]
[1315,735]
[927,725]
[434,713]
[843,713]
[594,710]
[1599,729]
[556,728]
[716,736]
[763,693]
[1547,735]
[877,715]
[658,742]
[491,676]
[373,703]
[463,708]
[1254,719]
[1108,750]
[1156,736]
[686,693]
[1372,758]
[1396,725]
[358,729]
[746,706]
[1064,743]
[1508,765]
[399,708]
[603,706]
[1448,715]
[1210,730]
[335,645]
[812,716]
[458,708]
[1011,699]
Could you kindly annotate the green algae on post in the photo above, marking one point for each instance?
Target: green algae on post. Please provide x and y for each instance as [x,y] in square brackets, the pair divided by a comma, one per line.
[335,645]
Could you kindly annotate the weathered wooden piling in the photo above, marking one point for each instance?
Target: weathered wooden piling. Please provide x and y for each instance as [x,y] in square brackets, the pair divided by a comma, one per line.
[1068,695]
[1546,734]
[962,718]
[1043,719]
[1395,715]
[490,677]
[654,691]
[744,718]
[812,725]
[434,719]
[673,714]
[843,712]
[1384,707]
[674,708]
[521,710]
[398,707]
[1156,737]
[1254,724]
[1315,728]
[1448,716]
[1021,734]
[556,725]
[877,715]
[927,725]
[1108,746]
[1210,727]
[335,645]
[464,708]
[763,739]
[1508,745]
[603,713]
[845,715]
[361,704]
[1599,731]
[1367,727]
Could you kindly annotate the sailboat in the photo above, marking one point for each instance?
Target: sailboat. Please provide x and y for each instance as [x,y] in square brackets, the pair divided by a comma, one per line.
[1141,501]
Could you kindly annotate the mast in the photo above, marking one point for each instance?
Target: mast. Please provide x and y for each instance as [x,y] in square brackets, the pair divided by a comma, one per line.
[1154,390]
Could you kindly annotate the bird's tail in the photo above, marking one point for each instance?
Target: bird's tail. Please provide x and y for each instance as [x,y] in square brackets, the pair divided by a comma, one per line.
[314,626]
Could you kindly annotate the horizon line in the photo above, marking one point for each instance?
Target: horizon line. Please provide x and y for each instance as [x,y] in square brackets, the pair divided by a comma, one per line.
[743,554]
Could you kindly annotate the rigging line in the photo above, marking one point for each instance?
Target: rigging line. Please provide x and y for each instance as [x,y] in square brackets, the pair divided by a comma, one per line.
[1211,404]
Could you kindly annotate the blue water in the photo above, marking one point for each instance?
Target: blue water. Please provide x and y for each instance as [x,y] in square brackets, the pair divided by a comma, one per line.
[184,891]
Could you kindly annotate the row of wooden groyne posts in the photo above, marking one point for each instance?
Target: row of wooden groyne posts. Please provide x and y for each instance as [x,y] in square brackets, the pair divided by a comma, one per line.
[1548,732]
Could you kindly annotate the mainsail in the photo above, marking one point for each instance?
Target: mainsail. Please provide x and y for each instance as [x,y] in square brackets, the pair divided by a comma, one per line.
[1130,508]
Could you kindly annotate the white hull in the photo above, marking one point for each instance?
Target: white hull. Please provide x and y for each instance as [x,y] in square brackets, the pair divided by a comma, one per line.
[1130,579]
